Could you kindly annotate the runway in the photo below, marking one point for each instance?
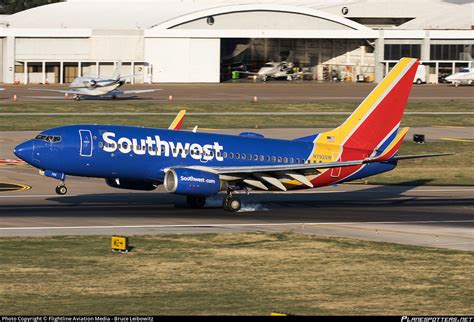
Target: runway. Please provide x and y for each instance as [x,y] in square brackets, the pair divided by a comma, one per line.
[424,215]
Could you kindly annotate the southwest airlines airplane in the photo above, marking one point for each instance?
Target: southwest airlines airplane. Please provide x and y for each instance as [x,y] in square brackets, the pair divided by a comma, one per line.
[199,165]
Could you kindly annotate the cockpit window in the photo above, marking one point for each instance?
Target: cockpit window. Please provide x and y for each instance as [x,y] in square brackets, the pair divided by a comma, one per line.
[48,138]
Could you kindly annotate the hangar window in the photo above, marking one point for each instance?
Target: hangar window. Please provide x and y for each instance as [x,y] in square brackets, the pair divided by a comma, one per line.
[451,52]
[395,51]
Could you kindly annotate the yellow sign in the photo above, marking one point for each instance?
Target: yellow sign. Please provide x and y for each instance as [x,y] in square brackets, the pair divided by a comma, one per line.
[120,243]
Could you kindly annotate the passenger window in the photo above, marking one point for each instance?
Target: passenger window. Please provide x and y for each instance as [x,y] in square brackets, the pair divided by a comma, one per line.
[225,155]
[297,160]
[249,156]
[268,158]
[285,160]
[243,156]
[262,158]
[231,155]
[279,159]
[255,157]
[274,159]
[237,156]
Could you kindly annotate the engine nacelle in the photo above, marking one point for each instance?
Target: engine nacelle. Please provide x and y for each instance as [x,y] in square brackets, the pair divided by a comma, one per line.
[130,184]
[192,182]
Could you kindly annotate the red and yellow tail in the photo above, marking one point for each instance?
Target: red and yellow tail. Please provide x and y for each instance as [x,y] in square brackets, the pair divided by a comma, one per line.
[372,129]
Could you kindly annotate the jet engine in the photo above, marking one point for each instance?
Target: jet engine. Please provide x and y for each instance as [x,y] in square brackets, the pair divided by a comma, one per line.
[130,184]
[193,182]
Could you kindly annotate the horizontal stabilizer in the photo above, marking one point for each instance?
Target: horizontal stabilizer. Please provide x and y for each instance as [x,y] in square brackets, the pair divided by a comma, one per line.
[419,156]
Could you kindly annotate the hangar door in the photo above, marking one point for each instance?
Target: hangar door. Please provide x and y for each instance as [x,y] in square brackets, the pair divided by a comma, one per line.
[183,60]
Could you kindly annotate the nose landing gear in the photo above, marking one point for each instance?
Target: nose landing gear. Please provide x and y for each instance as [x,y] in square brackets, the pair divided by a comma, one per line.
[61,189]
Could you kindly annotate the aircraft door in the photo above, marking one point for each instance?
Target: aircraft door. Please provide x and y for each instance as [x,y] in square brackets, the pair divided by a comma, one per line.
[86,143]
[335,172]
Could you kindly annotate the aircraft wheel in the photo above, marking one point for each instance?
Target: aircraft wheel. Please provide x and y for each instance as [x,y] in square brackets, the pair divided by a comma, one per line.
[418,81]
[77,98]
[195,202]
[231,204]
[61,190]
[114,97]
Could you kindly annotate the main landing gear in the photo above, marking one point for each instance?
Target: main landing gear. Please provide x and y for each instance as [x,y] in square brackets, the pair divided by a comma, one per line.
[231,203]
[61,189]
[77,98]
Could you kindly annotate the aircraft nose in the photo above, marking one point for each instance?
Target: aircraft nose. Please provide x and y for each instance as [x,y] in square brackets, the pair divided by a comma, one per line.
[24,151]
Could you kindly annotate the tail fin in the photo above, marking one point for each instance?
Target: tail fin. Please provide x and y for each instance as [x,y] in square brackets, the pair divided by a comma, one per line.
[379,115]
[118,70]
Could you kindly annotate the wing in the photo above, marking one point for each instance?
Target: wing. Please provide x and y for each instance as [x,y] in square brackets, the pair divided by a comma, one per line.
[261,177]
[138,91]
[67,91]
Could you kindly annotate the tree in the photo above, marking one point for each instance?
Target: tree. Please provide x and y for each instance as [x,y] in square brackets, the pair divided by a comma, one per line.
[13,6]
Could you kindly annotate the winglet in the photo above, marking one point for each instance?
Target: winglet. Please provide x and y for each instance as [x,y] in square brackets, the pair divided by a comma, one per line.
[178,120]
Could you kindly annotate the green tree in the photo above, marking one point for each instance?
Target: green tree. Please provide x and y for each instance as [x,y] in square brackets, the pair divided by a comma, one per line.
[13,6]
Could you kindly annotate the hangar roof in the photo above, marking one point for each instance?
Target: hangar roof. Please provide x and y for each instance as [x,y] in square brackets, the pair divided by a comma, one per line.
[143,14]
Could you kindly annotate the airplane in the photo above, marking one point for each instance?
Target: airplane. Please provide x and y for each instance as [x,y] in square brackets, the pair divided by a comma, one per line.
[199,165]
[98,86]
[466,76]
[276,70]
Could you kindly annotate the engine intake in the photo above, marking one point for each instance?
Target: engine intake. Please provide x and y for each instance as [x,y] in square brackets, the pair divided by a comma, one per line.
[192,182]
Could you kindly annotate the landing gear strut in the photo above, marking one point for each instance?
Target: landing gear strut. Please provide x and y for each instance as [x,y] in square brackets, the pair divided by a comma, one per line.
[231,203]
[195,201]
[61,189]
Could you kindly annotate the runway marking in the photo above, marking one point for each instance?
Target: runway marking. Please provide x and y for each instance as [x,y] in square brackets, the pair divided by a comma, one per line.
[457,140]
[13,187]
[240,225]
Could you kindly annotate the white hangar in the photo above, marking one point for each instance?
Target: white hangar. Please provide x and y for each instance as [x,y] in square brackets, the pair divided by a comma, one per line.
[190,40]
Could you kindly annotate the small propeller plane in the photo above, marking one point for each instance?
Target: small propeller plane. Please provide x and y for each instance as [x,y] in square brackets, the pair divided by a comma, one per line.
[199,165]
[277,70]
[99,86]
